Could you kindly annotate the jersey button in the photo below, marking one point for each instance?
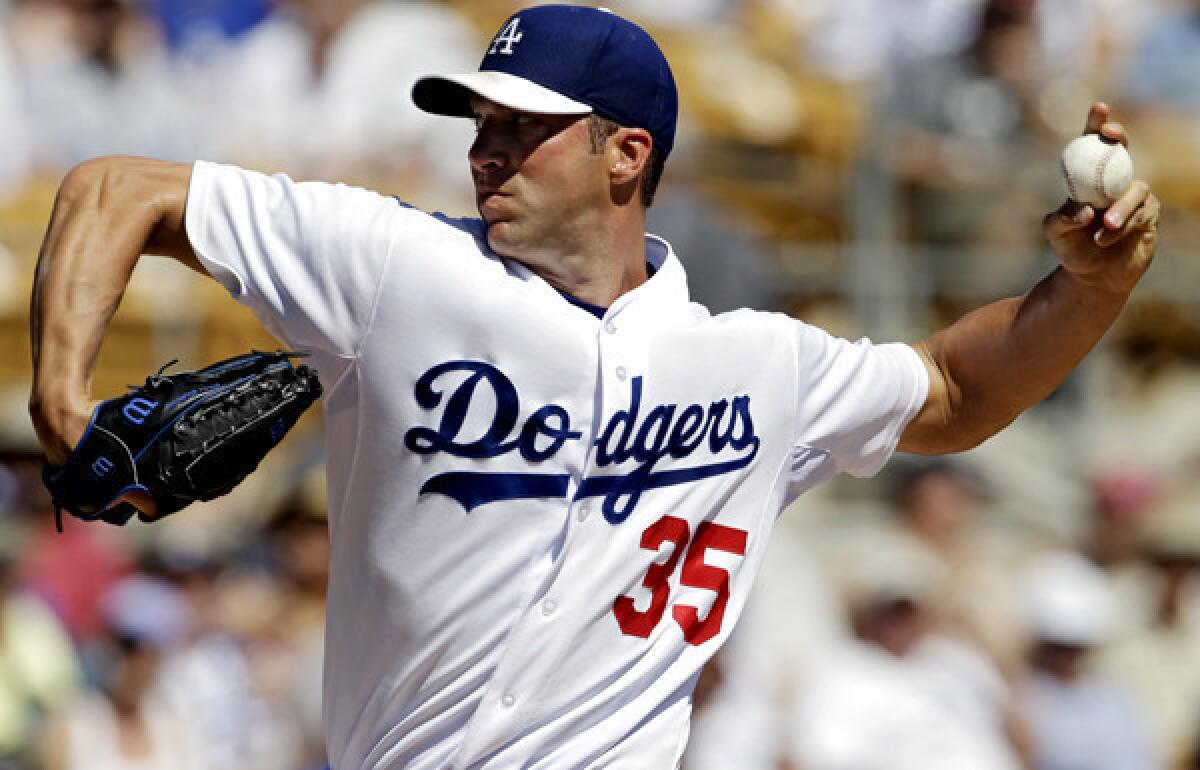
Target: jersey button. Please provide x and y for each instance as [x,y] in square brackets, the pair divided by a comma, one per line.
[583,513]
[548,607]
[610,327]
[622,373]
[509,700]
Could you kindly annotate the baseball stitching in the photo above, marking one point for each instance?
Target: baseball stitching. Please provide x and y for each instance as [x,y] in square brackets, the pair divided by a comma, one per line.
[1071,193]
[1101,165]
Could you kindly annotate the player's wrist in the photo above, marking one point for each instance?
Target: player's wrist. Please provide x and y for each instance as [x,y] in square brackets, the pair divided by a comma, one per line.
[60,416]
[1103,288]
[1116,279]
[55,402]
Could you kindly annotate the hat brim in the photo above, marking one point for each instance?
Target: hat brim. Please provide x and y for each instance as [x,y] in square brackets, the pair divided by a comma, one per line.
[451,95]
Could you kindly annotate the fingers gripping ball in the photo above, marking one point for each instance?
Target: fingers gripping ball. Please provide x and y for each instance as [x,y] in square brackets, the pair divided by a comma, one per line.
[1097,170]
[181,438]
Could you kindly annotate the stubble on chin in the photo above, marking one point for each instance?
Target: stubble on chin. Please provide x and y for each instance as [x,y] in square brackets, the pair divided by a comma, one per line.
[505,243]
[497,241]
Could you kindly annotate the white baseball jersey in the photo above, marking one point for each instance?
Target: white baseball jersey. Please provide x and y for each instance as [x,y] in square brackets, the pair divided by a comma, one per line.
[543,522]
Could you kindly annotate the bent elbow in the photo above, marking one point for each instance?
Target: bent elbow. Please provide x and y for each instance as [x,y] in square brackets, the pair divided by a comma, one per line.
[91,182]
[93,171]
[954,434]
[970,437]
[110,181]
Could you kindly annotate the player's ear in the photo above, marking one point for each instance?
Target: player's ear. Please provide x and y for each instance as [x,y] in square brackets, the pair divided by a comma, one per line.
[629,152]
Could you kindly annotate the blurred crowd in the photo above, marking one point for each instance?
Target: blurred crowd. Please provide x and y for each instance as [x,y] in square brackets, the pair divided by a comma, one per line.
[933,633]
[873,166]
[124,655]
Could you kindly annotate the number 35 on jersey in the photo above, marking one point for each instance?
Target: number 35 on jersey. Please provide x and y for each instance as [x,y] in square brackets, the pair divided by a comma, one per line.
[695,573]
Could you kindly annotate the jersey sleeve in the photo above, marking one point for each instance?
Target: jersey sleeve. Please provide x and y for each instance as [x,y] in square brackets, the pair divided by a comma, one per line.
[855,398]
[306,257]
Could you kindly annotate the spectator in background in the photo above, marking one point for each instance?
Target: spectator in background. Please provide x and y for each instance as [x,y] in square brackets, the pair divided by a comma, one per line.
[16,161]
[865,39]
[192,26]
[207,677]
[942,505]
[861,40]
[38,666]
[679,13]
[1162,70]
[970,151]
[299,540]
[1079,720]
[1080,37]
[1122,500]
[322,88]
[96,79]
[98,558]
[898,695]
[1160,661]
[1144,431]
[937,502]
[121,726]
[1116,27]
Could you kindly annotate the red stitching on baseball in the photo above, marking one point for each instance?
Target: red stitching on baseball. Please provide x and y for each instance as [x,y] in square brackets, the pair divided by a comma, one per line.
[1101,164]
[1071,192]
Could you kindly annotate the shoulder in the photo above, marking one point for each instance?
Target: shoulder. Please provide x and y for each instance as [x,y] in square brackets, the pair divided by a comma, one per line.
[804,339]
[390,21]
[745,317]
[471,228]
[759,331]
[747,335]
[435,236]
[318,197]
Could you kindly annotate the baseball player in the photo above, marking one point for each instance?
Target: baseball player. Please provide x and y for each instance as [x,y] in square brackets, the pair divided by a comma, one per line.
[551,476]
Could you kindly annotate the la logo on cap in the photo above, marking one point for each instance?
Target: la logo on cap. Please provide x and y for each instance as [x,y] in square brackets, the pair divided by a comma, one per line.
[508,37]
[562,59]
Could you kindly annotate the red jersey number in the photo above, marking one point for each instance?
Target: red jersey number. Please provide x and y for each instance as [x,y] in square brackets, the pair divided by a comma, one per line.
[657,578]
[695,574]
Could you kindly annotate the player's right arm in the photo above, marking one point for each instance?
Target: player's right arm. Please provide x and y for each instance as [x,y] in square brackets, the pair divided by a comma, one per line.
[108,212]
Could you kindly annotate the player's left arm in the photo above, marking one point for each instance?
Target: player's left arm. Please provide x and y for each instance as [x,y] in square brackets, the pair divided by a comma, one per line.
[997,361]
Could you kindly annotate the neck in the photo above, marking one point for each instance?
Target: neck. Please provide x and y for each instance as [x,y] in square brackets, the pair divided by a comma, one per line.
[607,268]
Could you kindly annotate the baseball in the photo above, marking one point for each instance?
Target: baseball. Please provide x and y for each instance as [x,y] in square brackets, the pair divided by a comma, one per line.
[1096,170]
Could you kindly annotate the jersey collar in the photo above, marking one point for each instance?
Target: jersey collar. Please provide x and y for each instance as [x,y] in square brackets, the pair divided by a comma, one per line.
[662,298]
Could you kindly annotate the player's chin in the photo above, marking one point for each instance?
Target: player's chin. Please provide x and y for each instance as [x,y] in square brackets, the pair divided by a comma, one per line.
[502,238]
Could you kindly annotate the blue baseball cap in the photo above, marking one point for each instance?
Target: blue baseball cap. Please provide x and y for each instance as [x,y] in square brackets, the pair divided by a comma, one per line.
[567,60]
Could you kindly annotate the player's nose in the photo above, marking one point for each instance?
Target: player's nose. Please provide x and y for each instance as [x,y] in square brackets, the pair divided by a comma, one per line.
[488,154]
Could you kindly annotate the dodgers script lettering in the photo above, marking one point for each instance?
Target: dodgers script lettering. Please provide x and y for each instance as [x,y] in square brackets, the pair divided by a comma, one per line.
[646,437]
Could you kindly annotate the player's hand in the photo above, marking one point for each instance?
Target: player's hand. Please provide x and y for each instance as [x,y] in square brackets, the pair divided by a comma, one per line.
[147,508]
[1108,250]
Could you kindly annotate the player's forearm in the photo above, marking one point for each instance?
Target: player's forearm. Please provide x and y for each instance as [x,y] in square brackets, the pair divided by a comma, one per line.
[107,212]
[1002,358]
[92,243]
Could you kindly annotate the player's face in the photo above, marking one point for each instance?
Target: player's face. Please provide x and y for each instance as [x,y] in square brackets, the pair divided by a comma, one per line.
[538,184]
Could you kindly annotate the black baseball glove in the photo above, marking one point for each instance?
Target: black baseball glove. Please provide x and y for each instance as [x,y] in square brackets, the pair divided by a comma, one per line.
[181,437]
